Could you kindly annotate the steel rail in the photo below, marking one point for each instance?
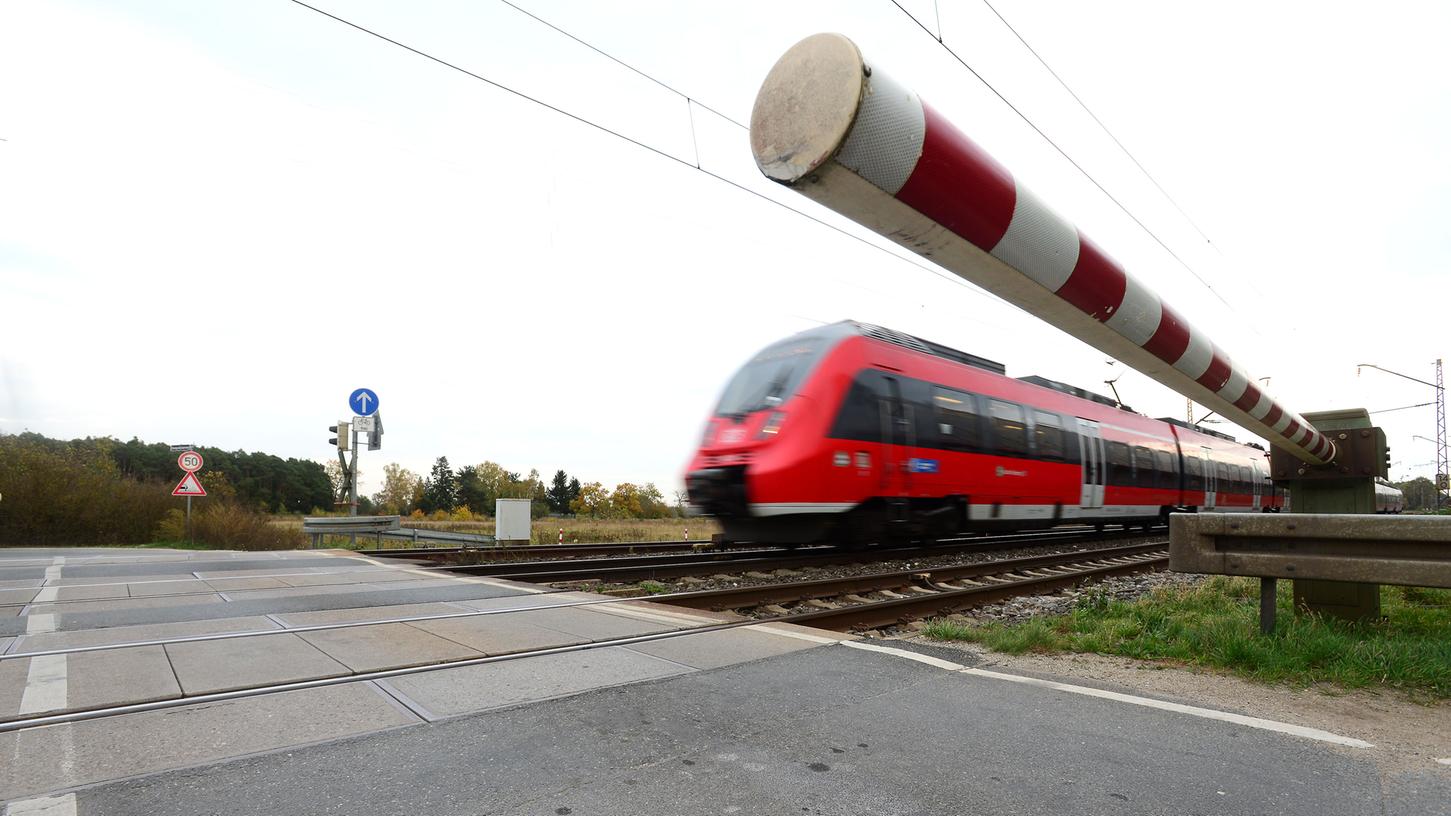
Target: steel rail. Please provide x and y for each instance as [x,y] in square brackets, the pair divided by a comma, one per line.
[607,570]
[360,677]
[738,597]
[382,569]
[887,613]
[602,548]
[362,586]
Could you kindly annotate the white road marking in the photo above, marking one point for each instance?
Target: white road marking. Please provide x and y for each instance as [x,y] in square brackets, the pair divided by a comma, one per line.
[48,593]
[810,638]
[516,586]
[45,685]
[662,616]
[63,805]
[39,624]
[656,616]
[1178,708]
[906,655]
[1446,761]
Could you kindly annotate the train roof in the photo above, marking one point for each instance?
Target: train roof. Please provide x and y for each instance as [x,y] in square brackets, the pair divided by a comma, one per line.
[948,353]
[915,343]
[1073,390]
[1206,431]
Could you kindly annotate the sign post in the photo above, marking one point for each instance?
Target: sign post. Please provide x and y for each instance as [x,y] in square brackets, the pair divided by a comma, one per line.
[189,461]
[363,402]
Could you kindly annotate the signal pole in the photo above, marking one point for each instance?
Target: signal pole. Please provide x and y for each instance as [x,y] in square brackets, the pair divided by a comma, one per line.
[1441,461]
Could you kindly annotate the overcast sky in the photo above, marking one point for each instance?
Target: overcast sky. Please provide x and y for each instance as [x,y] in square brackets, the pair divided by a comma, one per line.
[217,219]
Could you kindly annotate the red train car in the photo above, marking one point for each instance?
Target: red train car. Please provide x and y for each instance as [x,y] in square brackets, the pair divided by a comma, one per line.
[857,433]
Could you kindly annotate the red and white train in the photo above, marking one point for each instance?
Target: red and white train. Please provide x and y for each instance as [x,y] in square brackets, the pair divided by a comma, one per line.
[856,433]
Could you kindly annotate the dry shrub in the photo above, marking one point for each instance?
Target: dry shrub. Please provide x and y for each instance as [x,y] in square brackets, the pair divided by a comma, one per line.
[59,494]
[229,526]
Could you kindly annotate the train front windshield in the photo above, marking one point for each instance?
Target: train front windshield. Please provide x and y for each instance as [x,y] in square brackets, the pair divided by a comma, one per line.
[772,376]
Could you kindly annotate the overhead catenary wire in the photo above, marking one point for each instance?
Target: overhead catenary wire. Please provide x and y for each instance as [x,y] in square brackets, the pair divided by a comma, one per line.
[645,145]
[621,63]
[1097,121]
[1111,197]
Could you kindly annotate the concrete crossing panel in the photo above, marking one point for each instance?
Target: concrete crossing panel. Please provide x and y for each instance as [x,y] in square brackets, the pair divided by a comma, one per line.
[449,692]
[386,646]
[40,760]
[221,665]
[133,634]
[495,634]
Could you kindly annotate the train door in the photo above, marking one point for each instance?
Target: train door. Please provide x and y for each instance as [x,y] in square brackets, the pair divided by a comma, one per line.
[1255,484]
[1090,453]
[1211,479]
[899,436]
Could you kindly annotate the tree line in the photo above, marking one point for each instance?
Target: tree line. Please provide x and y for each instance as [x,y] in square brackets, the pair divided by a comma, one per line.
[474,488]
[259,481]
[1420,493]
[100,491]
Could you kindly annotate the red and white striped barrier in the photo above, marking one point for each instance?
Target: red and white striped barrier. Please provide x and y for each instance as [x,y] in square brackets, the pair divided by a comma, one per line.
[561,535]
[839,131]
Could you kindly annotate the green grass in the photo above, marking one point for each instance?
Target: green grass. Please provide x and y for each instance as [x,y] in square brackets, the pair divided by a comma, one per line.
[652,587]
[177,545]
[1216,624]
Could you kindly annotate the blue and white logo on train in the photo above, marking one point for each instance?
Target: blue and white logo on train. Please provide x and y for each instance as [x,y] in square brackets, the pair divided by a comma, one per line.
[922,465]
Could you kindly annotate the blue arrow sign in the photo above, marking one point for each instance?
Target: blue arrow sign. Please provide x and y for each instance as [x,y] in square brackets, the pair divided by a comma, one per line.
[363,402]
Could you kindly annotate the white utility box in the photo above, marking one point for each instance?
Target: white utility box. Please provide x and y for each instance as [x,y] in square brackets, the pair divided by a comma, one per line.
[511,521]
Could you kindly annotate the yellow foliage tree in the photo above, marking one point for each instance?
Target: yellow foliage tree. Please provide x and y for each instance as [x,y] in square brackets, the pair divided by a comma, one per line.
[625,501]
[593,500]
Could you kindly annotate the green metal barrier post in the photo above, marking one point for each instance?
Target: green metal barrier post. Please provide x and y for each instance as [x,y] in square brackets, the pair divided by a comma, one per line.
[1345,485]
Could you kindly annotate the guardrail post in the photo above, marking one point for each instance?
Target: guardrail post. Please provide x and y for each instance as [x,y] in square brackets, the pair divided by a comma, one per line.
[1345,485]
[1267,606]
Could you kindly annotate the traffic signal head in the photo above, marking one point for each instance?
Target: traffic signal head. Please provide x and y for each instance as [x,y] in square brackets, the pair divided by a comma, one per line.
[343,438]
[375,436]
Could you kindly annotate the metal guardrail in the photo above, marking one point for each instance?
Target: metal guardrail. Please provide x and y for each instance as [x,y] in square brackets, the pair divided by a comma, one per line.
[352,526]
[430,537]
[1354,548]
[1382,549]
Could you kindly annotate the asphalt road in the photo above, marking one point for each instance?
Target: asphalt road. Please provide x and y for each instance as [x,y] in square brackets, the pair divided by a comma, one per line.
[831,730]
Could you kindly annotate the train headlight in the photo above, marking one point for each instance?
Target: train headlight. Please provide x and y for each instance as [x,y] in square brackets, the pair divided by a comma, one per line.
[773,425]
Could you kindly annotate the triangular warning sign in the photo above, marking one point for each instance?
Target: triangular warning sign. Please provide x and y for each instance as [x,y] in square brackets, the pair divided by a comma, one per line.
[189,486]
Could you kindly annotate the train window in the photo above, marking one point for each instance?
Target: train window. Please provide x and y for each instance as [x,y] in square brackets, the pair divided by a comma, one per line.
[1120,469]
[860,415]
[1143,466]
[1244,486]
[1193,473]
[1010,434]
[1221,470]
[1047,436]
[958,423]
[1164,466]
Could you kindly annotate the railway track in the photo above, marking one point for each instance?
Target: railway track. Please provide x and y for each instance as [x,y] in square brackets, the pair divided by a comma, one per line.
[658,567]
[617,548]
[511,552]
[916,594]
